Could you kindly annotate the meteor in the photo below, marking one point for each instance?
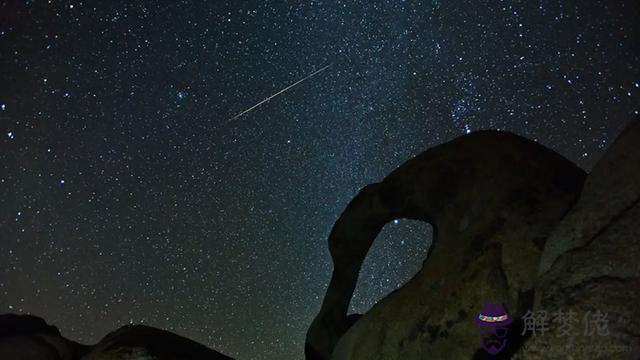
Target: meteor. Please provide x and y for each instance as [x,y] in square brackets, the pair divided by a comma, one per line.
[278,93]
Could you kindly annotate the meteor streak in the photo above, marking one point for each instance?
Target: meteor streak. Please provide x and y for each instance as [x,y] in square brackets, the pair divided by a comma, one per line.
[278,93]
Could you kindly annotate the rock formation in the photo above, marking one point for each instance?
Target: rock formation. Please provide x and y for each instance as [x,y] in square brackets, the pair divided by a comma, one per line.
[144,342]
[28,337]
[31,338]
[514,223]
[492,199]
[591,263]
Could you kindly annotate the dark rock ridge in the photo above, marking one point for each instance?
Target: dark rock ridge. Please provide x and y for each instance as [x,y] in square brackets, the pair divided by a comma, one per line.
[514,223]
[31,338]
[28,337]
[492,199]
[153,343]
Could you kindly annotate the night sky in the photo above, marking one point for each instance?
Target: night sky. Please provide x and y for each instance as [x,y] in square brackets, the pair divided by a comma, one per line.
[127,195]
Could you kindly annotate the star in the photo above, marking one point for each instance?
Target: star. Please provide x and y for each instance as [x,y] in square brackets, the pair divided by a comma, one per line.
[131,102]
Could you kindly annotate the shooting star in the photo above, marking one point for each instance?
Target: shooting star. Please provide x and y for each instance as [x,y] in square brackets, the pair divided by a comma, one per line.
[278,93]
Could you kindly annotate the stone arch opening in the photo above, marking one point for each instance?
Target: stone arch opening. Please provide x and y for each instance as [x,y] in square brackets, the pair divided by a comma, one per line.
[395,256]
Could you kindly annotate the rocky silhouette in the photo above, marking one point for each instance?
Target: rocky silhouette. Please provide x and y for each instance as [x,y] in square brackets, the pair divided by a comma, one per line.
[28,337]
[139,341]
[590,265]
[492,198]
[514,223]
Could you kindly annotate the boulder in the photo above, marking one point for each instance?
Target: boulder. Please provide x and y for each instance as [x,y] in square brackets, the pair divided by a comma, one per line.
[31,338]
[28,337]
[143,342]
[27,348]
[492,199]
[590,265]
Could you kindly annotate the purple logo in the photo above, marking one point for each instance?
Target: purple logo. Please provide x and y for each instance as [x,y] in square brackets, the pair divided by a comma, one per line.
[493,321]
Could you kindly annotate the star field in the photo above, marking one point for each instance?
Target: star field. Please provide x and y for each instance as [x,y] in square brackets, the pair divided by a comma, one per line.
[127,196]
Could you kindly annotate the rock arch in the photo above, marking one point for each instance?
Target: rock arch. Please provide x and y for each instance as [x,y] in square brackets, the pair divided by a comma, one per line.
[474,191]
